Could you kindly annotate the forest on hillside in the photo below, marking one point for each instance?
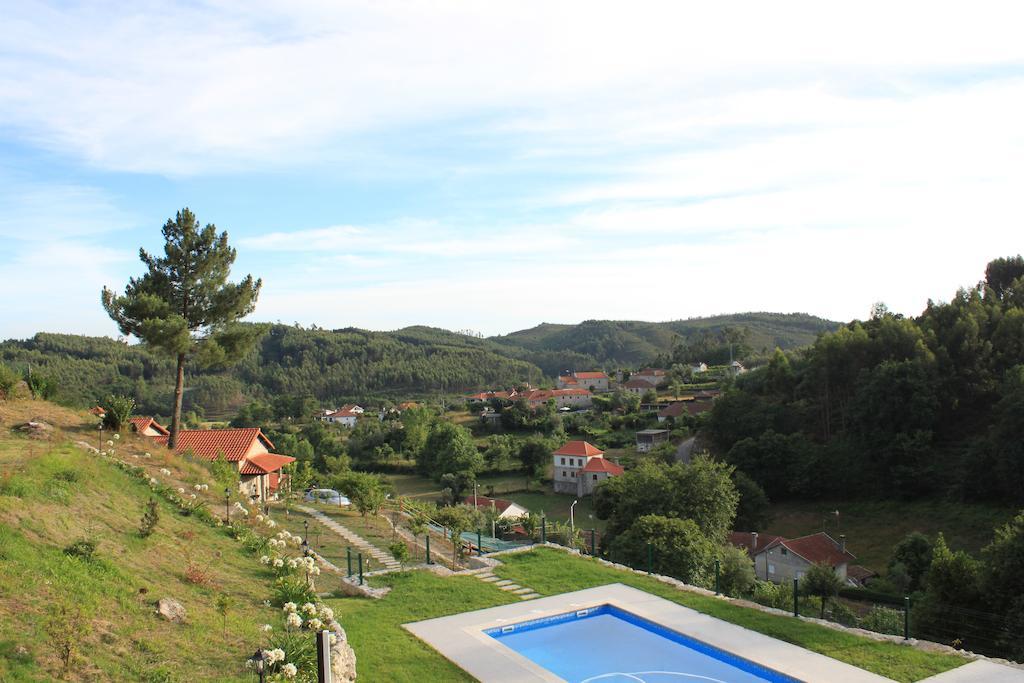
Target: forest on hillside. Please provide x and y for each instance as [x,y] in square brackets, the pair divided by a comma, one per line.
[892,406]
[293,364]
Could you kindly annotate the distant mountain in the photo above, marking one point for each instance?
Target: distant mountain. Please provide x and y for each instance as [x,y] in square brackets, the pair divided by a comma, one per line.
[352,364]
[631,343]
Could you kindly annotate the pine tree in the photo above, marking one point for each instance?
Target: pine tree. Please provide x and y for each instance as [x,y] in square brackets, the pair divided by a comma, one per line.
[149,519]
[184,306]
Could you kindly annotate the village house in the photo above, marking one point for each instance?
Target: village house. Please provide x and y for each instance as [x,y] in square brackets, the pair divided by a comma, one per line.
[485,396]
[689,406]
[346,418]
[698,368]
[656,376]
[638,386]
[147,426]
[563,398]
[736,368]
[259,469]
[579,467]
[506,508]
[781,560]
[594,381]
[647,439]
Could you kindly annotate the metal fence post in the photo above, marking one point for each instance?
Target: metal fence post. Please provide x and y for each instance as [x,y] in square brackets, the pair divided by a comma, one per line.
[348,559]
[650,558]
[428,548]
[718,572]
[593,542]
[479,543]
[796,597]
[360,569]
[906,617]
[323,657]
[543,529]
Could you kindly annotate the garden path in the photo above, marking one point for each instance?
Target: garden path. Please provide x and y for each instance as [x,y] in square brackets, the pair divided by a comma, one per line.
[389,562]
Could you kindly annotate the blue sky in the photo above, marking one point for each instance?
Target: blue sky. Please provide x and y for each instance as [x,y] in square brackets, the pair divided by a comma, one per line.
[489,166]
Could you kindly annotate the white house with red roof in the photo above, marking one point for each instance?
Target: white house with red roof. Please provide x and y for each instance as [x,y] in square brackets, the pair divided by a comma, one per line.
[579,466]
[259,469]
[147,426]
[595,381]
[344,416]
[563,398]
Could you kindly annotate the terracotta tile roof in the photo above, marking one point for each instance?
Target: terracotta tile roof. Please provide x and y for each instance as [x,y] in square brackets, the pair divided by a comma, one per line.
[859,574]
[486,395]
[141,424]
[590,375]
[638,384]
[408,405]
[579,448]
[651,372]
[265,463]
[817,548]
[745,540]
[603,465]
[209,443]
[342,413]
[566,379]
[673,409]
[98,411]
[541,395]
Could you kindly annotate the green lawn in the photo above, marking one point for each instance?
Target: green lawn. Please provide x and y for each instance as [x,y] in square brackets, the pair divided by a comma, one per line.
[555,506]
[550,572]
[387,652]
[873,528]
[416,486]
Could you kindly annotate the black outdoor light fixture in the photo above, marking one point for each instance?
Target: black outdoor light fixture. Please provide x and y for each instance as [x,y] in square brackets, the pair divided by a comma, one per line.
[227,505]
[305,536]
[259,662]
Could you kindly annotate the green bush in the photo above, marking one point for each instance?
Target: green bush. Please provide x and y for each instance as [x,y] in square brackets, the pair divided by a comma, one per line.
[8,381]
[289,589]
[841,614]
[779,596]
[40,385]
[883,620]
[872,595]
[118,411]
[150,517]
[84,549]
[737,571]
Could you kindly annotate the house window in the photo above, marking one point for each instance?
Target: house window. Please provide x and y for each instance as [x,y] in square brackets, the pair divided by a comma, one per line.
[563,461]
[595,477]
[771,568]
[574,474]
[785,551]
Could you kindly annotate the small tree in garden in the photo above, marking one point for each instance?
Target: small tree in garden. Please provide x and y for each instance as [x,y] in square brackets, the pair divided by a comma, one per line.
[117,411]
[399,551]
[223,605]
[150,517]
[65,628]
[737,571]
[457,519]
[821,581]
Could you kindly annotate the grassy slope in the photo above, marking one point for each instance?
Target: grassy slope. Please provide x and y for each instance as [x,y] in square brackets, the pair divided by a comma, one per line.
[873,528]
[41,513]
[550,572]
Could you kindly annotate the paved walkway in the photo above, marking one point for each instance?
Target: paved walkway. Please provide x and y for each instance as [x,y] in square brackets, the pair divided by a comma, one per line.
[382,557]
[487,576]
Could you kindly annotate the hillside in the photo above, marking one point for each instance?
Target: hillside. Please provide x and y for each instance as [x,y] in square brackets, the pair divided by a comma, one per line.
[53,495]
[333,366]
[631,343]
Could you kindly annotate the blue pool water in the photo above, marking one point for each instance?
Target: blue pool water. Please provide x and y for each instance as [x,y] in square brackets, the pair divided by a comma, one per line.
[610,645]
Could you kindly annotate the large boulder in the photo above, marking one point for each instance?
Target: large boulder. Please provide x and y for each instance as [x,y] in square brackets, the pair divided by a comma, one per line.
[36,428]
[171,610]
[343,658]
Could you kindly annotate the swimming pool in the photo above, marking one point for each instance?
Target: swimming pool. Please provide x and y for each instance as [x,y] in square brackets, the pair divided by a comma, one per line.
[611,645]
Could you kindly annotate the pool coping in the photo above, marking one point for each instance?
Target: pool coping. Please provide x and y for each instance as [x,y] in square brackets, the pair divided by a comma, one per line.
[461,638]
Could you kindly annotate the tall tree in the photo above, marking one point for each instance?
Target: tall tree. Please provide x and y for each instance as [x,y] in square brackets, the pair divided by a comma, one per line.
[184,306]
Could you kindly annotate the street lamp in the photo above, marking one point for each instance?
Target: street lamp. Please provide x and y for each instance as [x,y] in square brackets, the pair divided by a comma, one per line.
[259,662]
[572,521]
[227,506]
[305,535]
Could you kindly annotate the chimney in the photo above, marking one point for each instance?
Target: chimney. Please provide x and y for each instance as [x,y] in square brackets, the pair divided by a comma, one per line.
[753,542]
[842,543]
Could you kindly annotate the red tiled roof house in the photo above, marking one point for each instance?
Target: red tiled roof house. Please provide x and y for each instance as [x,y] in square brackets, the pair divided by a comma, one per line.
[579,467]
[595,381]
[782,560]
[147,426]
[260,470]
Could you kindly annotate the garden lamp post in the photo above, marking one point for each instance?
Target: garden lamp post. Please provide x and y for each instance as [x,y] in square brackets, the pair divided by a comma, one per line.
[306,553]
[572,521]
[305,534]
[259,662]
[227,505]
[100,427]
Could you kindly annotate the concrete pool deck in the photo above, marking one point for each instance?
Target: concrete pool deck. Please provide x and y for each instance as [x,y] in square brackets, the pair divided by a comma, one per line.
[461,638]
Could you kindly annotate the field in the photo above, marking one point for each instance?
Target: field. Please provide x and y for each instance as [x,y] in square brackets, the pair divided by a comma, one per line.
[873,528]
[387,652]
